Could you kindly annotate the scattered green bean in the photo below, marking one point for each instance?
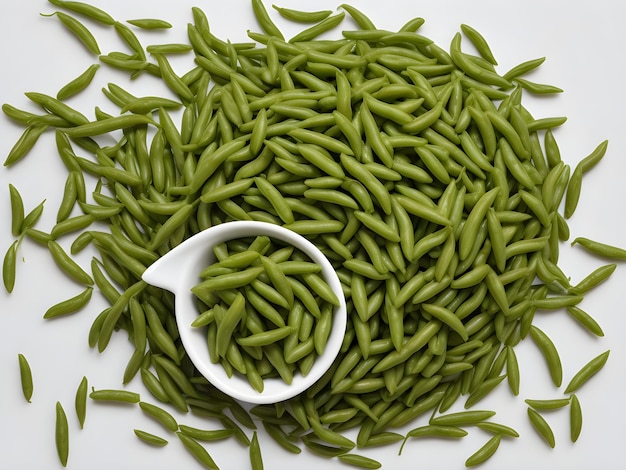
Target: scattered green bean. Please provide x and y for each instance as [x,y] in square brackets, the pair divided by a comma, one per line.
[576,418]
[485,452]
[587,371]
[542,427]
[150,23]
[62,434]
[150,438]
[26,377]
[80,30]
[80,401]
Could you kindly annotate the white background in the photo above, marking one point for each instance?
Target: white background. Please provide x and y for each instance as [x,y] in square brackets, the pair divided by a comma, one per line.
[584,45]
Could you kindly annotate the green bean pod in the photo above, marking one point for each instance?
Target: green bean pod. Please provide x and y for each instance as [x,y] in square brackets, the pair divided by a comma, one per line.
[62,434]
[26,377]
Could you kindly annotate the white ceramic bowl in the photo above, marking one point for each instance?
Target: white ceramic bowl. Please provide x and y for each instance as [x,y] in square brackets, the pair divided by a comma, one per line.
[178,271]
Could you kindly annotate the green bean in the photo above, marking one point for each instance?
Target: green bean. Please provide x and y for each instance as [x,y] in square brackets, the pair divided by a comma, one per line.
[483,390]
[302,16]
[85,9]
[205,435]
[479,42]
[447,317]
[472,69]
[264,19]
[550,354]
[359,461]
[137,359]
[576,418]
[62,434]
[596,277]
[498,429]
[69,198]
[70,305]
[256,460]
[150,23]
[25,143]
[150,438]
[548,404]
[174,222]
[586,372]
[546,123]
[573,192]
[523,68]
[173,81]
[512,370]
[123,396]
[485,452]
[462,418]
[594,157]
[585,320]
[538,88]
[108,125]
[67,264]
[153,385]
[80,401]
[477,215]
[330,436]
[541,426]
[434,430]
[130,38]
[314,31]
[79,83]
[159,334]
[162,416]
[600,249]
[26,377]
[79,30]
[556,302]
[147,104]
[359,17]
[17,211]
[18,115]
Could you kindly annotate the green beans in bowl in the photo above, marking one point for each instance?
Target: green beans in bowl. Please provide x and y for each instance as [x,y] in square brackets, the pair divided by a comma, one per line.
[260,309]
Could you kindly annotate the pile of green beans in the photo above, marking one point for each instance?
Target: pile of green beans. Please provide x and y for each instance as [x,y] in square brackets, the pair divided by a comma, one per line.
[267,310]
[417,171]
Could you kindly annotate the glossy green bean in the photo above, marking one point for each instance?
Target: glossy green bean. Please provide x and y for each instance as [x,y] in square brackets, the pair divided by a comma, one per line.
[586,320]
[26,377]
[150,23]
[161,415]
[576,418]
[600,249]
[317,29]
[485,452]
[150,438]
[79,30]
[71,305]
[68,265]
[85,9]
[80,401]
[123,396]
[62,434]
[359,461]
[542,427]
[587,371]
[264,19]
[79,83]
[25,143]
[550,354]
